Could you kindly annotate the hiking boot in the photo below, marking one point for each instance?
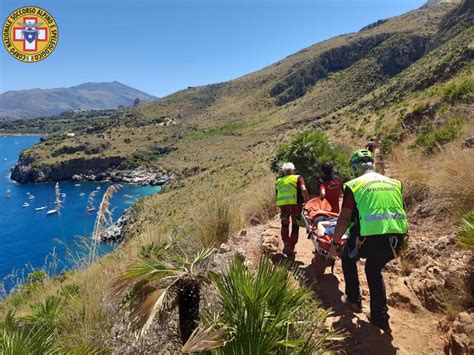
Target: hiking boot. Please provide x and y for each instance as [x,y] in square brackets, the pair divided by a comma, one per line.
[384,325]
[355,307]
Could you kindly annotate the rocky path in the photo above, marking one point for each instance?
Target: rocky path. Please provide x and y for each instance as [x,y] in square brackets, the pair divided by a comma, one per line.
[414,329]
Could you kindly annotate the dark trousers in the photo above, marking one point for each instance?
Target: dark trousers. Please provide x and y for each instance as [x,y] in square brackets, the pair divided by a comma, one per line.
[378,250]
[289,213]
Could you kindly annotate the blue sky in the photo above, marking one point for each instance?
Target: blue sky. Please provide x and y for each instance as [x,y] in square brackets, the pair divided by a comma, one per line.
[164,46]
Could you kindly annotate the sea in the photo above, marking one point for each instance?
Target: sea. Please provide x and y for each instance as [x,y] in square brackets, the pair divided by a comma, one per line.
[32,240]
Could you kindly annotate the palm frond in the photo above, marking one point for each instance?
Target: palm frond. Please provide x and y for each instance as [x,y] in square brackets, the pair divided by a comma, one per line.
[205,339]
[159,302]
[28,340]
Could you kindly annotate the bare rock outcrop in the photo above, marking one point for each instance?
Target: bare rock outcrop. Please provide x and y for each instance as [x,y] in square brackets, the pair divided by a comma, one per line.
[461,335]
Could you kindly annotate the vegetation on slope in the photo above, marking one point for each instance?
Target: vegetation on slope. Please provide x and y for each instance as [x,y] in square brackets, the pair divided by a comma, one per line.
[224,135]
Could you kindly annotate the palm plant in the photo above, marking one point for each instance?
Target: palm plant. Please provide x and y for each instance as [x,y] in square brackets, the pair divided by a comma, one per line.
[163,279]
[267,311]
[40,332]
[465,232]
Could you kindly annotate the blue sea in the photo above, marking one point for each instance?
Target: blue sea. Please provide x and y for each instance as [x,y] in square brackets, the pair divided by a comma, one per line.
[31,239]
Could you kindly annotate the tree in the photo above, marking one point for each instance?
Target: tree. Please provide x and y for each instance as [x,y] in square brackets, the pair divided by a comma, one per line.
[308,151]
[162,279]
[136,101]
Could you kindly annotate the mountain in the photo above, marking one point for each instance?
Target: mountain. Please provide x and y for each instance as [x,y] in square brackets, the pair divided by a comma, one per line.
[327,86]
[47,102]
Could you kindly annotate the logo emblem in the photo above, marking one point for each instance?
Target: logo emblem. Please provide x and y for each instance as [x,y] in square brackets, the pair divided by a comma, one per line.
[30,34]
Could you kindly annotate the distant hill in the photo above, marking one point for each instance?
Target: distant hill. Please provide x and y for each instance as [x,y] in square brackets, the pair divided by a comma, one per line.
[46,102]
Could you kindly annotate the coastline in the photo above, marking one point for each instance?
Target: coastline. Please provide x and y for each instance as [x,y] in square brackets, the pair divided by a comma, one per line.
[21,134]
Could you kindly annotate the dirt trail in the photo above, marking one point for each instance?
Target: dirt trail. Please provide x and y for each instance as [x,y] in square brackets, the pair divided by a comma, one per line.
[414,329]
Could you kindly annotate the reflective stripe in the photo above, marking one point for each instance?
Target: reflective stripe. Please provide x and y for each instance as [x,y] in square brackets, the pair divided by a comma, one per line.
[285,197]
[378,217]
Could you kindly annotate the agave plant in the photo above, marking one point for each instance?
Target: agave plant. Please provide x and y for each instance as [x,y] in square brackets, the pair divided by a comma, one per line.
[163,279]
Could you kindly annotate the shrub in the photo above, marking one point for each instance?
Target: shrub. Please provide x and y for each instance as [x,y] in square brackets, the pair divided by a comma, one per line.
[438,137]
[308,151]
[268,312]
[430,139]
[418,110]
[386,143]
[37,276]
[463,92]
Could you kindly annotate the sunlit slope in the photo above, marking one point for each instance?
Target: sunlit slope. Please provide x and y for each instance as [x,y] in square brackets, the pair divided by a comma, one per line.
[208,127]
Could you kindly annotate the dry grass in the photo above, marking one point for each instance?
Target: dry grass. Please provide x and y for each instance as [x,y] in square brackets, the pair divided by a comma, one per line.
[88,317]
[216,221]
[445,178]
[260,202]
[415,177]
[453,178]
[406,266]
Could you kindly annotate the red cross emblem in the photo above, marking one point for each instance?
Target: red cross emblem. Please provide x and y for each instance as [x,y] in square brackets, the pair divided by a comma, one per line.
[30,34]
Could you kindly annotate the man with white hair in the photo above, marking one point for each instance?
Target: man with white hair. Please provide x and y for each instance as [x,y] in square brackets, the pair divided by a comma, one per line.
[291,194]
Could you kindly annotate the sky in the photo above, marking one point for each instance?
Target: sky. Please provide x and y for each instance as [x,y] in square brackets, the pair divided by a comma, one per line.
[162,46]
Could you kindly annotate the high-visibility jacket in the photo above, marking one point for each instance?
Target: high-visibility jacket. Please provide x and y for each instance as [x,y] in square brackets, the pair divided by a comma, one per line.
[379,202]
[287,190]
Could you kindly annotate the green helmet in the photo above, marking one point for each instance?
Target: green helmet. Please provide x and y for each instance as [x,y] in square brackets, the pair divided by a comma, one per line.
[361,156]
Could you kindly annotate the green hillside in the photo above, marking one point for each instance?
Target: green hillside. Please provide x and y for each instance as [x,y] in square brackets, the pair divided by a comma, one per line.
[408,79]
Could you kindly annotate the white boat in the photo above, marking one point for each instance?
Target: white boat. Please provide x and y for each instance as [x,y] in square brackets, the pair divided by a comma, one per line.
[53,211]
[63,194]
[97,188]
[27,194]
[77,185]
[30,197]
[90,209]
[82,194]
[40,208]
[26,204]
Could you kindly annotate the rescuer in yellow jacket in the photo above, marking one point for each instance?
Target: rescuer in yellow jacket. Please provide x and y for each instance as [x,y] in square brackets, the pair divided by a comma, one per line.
[374,205]
[291,193]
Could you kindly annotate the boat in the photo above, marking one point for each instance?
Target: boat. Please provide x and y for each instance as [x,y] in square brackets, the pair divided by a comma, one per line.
[97,188]
[82,194]
[63,194]
[77,185]
[26,204]
[40,208]
[31,197]
[27,194]
[90,209]
[53,211]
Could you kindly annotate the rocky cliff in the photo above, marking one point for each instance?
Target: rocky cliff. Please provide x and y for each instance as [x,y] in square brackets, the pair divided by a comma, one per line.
[83,169]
